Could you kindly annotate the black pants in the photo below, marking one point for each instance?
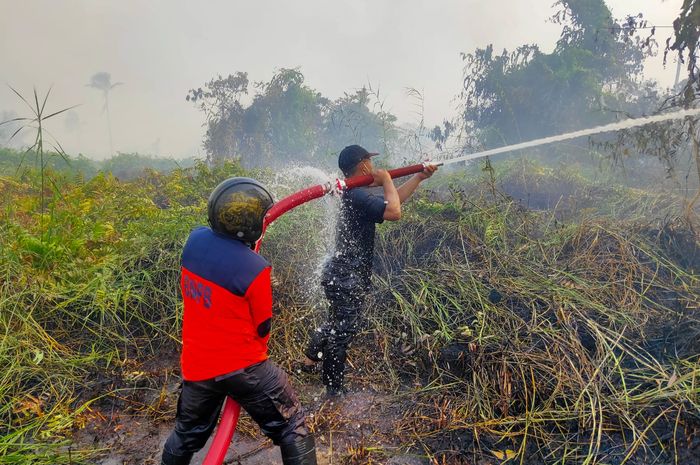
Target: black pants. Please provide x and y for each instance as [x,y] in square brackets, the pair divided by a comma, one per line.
[263,390]
[329,343]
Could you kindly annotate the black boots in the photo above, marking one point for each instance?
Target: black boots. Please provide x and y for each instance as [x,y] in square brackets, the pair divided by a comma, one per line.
[300,452]
[172,459]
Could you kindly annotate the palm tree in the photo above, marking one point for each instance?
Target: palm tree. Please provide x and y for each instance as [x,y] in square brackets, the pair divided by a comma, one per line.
[103,81]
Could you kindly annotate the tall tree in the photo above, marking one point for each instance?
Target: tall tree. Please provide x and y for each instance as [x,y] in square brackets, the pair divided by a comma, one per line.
[220,101]
[285,120]
[350,120]
[514,96]
[667,142]
[102,81]
[685,43]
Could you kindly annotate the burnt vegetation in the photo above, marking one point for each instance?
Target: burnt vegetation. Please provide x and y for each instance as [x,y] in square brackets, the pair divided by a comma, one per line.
[539,308]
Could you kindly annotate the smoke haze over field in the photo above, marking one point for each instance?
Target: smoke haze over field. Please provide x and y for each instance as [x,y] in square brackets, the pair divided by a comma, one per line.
[160,49]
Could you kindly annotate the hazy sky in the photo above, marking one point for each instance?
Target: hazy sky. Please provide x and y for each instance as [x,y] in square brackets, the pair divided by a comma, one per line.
[160,49]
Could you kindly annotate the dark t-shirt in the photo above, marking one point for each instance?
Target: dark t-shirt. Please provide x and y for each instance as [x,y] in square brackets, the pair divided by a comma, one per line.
[351,266]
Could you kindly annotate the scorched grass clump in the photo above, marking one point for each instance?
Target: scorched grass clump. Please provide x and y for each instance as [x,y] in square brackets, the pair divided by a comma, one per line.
[572,342]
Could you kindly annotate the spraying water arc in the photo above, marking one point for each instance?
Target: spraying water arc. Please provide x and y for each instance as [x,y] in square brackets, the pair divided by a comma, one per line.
[626,124]
[231,410]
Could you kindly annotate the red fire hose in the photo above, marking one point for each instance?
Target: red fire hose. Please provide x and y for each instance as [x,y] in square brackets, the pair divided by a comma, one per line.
[231,410]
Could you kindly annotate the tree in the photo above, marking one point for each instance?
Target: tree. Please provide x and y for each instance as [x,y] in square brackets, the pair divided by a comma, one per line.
[103,81]
[520,95]
[285,122]
[349,120]
[667,142]
[684,43]
[278,124]
[221,105]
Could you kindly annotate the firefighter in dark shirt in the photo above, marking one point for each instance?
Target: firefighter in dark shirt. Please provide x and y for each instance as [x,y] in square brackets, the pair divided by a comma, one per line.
[347,275]
[226,323]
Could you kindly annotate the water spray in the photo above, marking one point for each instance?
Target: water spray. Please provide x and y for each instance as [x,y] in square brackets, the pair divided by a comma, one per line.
[231,409]
[626,124]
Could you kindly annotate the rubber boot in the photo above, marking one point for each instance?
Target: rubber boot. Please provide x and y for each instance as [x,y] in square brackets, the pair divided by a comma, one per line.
[172,459]
[300,452]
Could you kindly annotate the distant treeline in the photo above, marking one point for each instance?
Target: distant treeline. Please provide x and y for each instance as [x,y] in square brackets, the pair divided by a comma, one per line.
[124,166]
[270,124]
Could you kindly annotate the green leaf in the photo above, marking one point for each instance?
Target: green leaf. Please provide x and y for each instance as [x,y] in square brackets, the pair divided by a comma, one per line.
[38,356]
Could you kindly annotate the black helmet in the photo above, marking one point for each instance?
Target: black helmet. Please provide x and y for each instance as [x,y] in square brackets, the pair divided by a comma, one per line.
[237,208]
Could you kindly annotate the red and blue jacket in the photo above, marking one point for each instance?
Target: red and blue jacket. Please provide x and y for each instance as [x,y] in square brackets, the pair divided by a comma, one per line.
[227,297]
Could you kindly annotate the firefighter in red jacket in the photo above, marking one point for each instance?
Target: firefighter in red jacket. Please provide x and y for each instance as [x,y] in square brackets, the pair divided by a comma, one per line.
[226,325]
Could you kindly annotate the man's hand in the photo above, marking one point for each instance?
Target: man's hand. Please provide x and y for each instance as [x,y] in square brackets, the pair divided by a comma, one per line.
[381,177]
[427,172]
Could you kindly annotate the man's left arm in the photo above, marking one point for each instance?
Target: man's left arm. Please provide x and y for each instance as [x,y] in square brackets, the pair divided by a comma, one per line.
[406,189]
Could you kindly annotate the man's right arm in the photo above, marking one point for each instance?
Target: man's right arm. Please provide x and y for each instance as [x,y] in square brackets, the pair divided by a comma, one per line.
[392,212]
